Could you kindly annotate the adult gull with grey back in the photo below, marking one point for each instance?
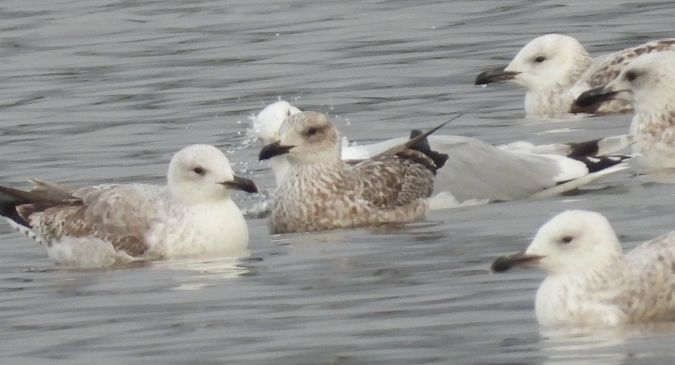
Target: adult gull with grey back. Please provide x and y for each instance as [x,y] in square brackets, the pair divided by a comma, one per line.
[266,126]
[476,170]
[590,281]
[322,192]
[555,69]
[649,83]
[104,225]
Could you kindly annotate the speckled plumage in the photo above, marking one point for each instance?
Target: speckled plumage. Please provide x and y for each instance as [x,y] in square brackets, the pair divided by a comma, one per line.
[604,69]
[592,283]
[322,192]
[476,170]
[648,82]
[655,139]
[104,225]
[566,70]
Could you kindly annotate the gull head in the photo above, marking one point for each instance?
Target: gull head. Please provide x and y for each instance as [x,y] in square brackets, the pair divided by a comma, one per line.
[571,242]
[306,138]
[548,61]
[648,82]
[267,123]
[201,173]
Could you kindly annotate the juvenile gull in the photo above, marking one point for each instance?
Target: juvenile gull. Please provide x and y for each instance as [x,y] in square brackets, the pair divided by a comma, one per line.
[477,170]
[322,192]
[103,225]
[649,83]
[556,68]
[590,281]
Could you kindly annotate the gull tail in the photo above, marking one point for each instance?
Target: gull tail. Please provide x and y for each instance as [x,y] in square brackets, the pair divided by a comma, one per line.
[17,205]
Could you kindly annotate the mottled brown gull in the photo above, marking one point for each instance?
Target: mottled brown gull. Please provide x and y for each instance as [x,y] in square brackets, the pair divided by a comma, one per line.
[649,83]
[103,225]
[555,69]
[322,192]
[590,281]
[477,170]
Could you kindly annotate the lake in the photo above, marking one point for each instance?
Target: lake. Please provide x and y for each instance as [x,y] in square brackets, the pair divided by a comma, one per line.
[106,91]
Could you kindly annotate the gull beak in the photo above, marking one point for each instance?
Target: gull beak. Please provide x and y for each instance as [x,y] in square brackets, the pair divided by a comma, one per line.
[495,75]
[505,263]
[273,149]
[595,96]
[241,183]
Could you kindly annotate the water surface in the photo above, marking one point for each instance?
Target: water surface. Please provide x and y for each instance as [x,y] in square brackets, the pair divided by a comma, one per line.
[99,91]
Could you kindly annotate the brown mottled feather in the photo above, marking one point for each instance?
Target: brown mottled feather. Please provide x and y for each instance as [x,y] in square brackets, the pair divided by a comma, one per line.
[653,263]
[388,188]
[398,179]
[609,67]
[88,213]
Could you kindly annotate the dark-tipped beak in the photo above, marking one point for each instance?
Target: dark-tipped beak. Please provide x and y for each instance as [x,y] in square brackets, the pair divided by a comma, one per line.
[241,183]
[273,149]
[495,75]
[505,263]
[594,96]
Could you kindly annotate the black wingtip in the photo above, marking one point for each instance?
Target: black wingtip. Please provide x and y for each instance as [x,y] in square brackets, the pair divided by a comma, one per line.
[586,148]
[595,164]
[423,146]
[8,203]
[589,101]
[413,140]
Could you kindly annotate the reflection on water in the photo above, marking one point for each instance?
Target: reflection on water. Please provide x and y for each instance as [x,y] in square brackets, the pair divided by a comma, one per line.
[202,273]
[606,346]
[96,91]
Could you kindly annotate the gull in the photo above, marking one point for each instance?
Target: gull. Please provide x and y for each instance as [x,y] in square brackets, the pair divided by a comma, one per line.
[478,170]
[322,192]
[649,83]
[266,126]
[590,281]
[104,225]
[555,69]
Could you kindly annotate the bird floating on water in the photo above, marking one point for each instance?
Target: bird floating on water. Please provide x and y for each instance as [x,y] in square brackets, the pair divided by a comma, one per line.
[104,225]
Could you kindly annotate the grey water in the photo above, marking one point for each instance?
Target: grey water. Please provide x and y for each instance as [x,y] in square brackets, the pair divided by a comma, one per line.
[100,91]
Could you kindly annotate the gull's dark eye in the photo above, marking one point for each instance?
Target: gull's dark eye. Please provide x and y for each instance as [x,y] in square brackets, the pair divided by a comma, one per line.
[631,75]
[311,131]
[288,113]
[566,239]
[199,170]
[540,59]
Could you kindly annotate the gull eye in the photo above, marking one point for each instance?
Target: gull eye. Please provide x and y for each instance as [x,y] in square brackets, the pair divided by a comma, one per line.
[567,239]
[288,113]
[631,75]
[199,170]
[311,131]
[540,59]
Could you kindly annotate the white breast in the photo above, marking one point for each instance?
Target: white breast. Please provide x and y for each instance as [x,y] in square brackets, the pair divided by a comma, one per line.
[217,228]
